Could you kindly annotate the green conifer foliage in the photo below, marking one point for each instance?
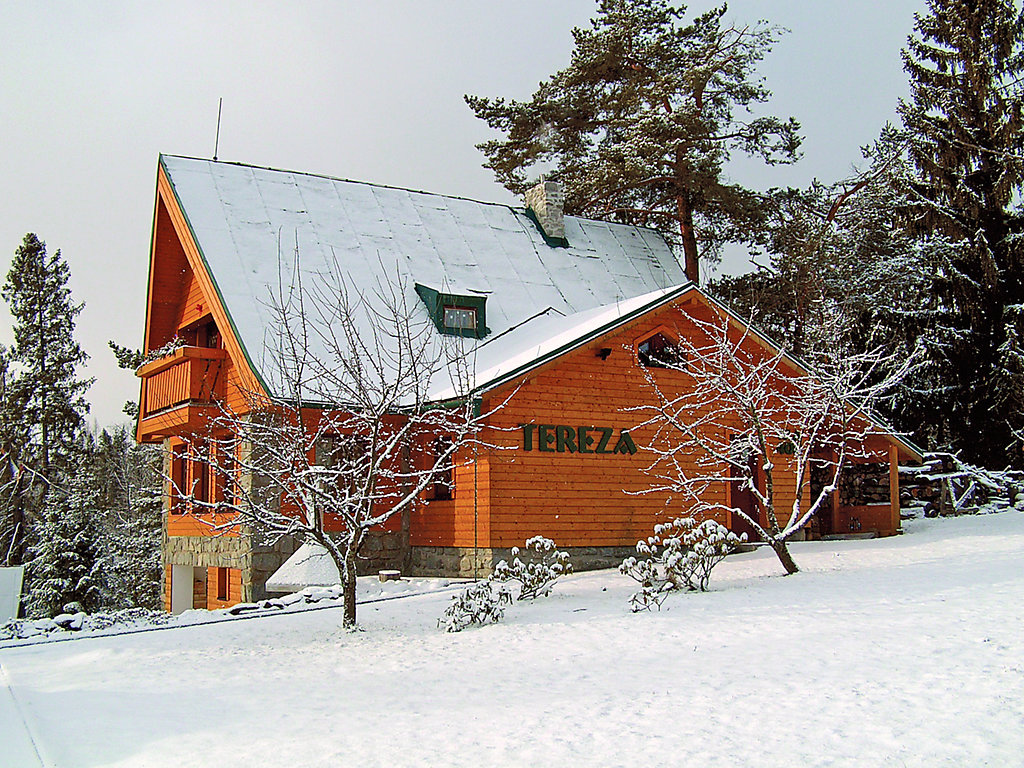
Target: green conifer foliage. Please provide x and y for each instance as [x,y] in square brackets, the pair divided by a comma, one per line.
[640,124]
[64,564]
[46,356]
[13,476]
[966,145]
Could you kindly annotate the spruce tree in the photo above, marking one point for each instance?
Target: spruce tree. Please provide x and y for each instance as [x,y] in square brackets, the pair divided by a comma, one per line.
[64,568]
[127,479]
[640,124]
[14,479]
[963,122]
[45,357]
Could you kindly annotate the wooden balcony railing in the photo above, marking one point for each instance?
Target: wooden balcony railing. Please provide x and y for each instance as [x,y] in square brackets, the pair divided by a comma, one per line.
[189,375]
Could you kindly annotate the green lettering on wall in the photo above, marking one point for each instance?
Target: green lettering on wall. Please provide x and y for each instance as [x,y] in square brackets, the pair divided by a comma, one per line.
[552,438]
[545,438]
[565,439]
[583,440]
[625,444]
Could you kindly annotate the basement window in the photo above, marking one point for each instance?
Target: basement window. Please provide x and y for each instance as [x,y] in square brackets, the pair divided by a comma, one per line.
[455,314]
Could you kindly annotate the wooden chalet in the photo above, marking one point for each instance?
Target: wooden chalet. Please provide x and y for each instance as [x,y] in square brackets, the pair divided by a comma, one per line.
[558,309]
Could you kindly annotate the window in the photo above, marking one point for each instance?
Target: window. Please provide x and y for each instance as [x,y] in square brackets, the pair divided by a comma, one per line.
[444,470]
[201,477]
[459,318]
[178,486]
[225,478]
[659,351]
[347,458]
[222,583]
[455,314]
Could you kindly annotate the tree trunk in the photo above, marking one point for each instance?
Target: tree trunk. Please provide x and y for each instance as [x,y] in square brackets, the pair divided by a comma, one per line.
[692,262]
[349,622]
[782,552]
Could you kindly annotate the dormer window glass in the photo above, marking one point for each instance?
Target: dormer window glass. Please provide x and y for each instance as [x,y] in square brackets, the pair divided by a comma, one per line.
[455,314]
[460,318]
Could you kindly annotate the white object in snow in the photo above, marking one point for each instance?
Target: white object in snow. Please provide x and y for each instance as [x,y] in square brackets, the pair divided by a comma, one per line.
[10,591]
[309,566]
[389,575]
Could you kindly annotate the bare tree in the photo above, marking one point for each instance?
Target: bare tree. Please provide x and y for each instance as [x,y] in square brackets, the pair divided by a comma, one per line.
[743,415]
[351,434]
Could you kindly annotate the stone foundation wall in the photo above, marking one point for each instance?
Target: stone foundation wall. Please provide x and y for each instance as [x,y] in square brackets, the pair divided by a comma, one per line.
[384,550]
[257,563]
[460,561]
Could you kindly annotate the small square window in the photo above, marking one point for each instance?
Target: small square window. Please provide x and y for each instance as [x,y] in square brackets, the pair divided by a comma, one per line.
[462,318]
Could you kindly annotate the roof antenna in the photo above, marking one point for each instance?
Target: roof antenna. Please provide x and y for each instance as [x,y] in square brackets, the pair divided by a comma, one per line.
[216,144]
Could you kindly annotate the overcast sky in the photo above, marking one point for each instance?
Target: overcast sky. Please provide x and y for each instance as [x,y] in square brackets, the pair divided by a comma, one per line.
[91,93]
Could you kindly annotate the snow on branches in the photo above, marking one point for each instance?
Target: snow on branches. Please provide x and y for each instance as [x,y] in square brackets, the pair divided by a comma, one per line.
[680,555]
[538,574]
[349,434]
[485,601]
[752,419]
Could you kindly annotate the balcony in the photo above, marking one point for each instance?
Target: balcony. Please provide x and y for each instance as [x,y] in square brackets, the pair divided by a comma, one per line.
[180,391]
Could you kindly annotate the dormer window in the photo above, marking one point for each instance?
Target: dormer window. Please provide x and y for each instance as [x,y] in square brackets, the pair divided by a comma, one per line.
[459,318]
[455,314]
[659,351]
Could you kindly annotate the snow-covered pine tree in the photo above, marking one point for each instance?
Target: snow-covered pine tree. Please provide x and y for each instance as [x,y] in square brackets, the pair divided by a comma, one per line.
[128,481]
[43,385]
[45,357]
[639,125]
[836,249]
[963,120]
[13,478]
[64,565]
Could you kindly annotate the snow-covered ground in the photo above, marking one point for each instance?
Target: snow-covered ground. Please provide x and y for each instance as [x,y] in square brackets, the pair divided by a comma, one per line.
[906,651]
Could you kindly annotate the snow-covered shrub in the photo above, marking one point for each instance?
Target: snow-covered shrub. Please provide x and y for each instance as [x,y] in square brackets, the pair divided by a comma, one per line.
[543,565]
[126,619]
[479,603]
[680,555]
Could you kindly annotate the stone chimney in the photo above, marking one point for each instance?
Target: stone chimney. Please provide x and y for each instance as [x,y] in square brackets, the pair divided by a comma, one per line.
[545,200]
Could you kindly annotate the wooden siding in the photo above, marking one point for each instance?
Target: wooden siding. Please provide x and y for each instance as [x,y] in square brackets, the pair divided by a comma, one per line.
[577,499]
[234,585]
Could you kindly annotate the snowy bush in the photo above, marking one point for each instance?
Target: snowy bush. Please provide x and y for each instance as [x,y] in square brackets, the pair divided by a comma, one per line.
[127,619]
[680,555]
[543,566]
[478,603]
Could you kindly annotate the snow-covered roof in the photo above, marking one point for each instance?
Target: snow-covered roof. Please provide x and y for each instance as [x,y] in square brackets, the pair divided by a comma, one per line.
[551,333]
[309,566]
[247,222]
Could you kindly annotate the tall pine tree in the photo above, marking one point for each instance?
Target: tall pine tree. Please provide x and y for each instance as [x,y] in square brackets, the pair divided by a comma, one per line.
[45,357]
[963,121]
[640,124]
[13,476]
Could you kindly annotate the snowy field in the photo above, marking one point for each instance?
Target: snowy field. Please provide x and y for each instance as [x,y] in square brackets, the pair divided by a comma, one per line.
[896,652]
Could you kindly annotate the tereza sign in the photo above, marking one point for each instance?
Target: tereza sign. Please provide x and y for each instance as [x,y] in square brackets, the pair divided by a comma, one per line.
[556,438]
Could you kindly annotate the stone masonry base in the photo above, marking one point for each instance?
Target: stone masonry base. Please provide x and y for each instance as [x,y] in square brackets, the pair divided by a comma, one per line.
[257,563]
[469,563]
